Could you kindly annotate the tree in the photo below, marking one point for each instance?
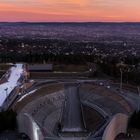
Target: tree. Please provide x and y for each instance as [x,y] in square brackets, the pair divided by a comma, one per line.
[7,120]
[134,121]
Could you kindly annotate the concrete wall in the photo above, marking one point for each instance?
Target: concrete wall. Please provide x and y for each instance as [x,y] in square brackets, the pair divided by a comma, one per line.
[27,125]
[117,125]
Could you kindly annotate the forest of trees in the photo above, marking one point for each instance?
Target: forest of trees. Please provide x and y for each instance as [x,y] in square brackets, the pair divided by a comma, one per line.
[7,120]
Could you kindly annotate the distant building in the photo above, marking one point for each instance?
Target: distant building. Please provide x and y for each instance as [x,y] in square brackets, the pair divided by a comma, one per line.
[40,67]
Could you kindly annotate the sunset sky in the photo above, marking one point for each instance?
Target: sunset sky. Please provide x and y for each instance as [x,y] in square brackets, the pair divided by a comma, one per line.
[70,10]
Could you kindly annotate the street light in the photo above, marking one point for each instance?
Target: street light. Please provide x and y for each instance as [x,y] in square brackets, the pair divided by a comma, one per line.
[6,89]
[6,92]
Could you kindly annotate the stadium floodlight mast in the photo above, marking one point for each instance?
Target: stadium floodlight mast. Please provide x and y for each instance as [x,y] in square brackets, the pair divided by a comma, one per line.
[124,68]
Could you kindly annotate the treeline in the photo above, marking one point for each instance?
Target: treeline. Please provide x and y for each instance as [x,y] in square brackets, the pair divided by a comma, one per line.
[65,52]
[131,73]
[7,120]
[134,121]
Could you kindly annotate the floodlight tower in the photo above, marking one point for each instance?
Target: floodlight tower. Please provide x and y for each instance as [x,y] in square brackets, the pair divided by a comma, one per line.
[124,68]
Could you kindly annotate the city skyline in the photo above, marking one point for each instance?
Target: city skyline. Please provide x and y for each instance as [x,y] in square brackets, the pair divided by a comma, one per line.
[70,10]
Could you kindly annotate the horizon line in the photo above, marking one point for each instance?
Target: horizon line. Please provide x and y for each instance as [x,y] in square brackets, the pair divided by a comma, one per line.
[69,21]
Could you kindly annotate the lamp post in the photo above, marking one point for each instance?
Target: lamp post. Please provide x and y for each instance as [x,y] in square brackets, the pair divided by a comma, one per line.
[6,89]
[6,92]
